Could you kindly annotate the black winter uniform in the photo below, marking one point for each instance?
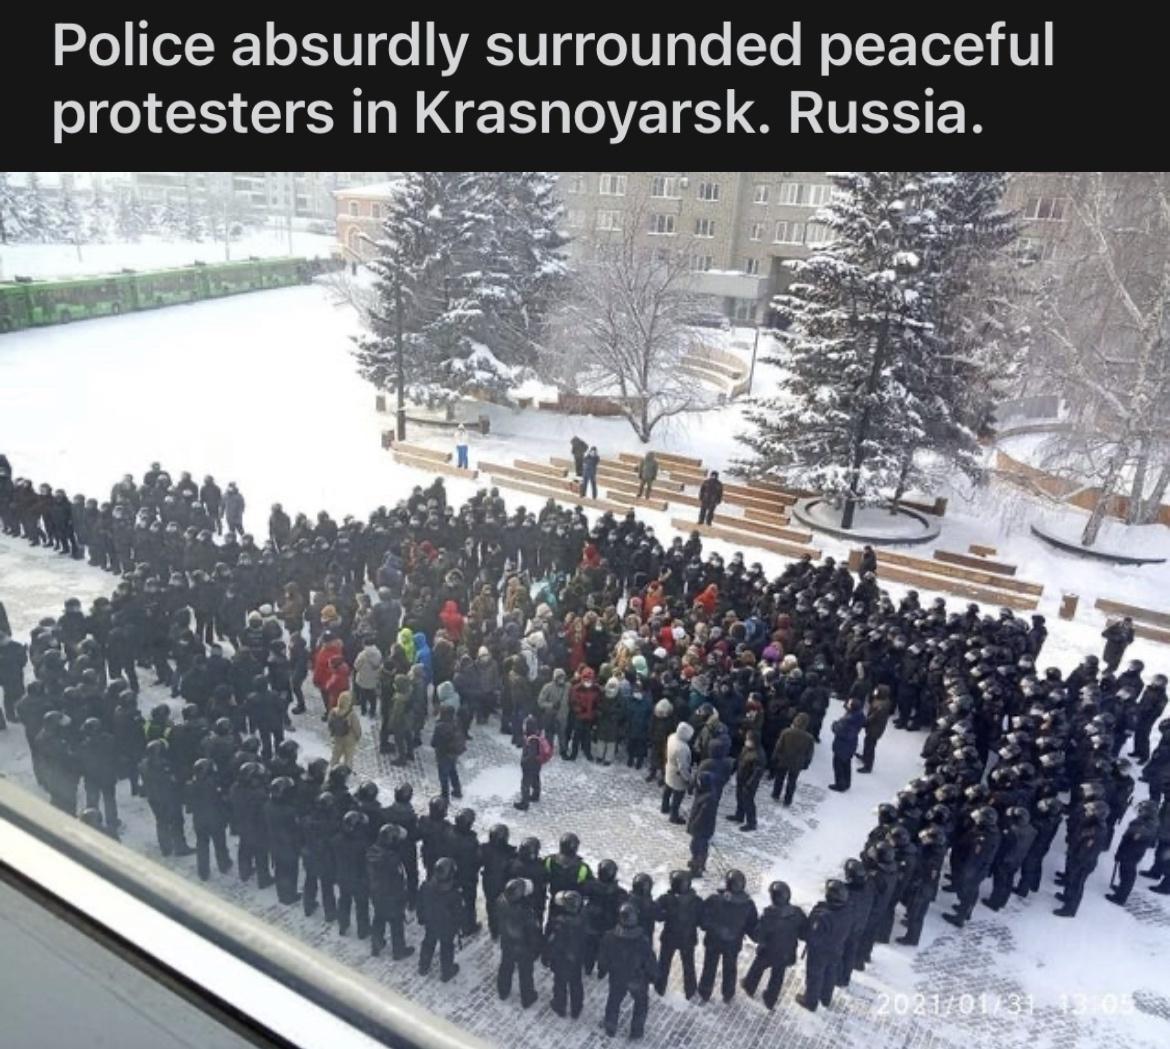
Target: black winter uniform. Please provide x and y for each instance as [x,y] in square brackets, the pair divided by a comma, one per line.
[824,936]
[164,795]
[520,945]
[1016,843]
[627,958]
[388,894]
[353,885]
[318,832]
[247,810]
[602,900]
[1033,865]
[495,861]
[440,909]
[776,934]
[209,819]
[680,913]
[97,756]
[284,843]
[1139,836]
[726,917]
[565,955]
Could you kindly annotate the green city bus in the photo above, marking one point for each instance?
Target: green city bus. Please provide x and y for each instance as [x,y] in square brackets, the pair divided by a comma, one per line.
[31,303]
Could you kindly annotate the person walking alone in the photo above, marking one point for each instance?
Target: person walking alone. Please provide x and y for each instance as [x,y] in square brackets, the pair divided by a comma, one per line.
[589,471]
[647,475]
[462,448]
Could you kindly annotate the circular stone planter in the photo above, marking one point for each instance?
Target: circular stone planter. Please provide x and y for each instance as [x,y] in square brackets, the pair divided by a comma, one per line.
[906,526]
[1094,553]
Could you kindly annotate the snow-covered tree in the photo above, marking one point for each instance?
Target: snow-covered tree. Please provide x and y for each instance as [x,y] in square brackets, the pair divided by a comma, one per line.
[70,222]
[132,218]
[521,263]
[11,223]
[99,216]
[623,331]
[856,327]
[171,221]
[427,260]
[974,341]
[37,215]
[1103,335]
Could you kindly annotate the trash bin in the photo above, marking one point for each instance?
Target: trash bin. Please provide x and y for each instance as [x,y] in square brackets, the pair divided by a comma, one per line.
[387,438]
[380,402]
[1068,605]
[485,424]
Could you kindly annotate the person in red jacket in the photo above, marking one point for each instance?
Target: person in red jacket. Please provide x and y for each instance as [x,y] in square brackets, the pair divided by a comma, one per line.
[708,599]
[453,621]
[322,659]
[583,699]
[590,557]
[338,681]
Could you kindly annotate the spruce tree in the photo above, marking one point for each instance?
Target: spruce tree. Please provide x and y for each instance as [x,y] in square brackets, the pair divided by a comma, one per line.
[132,220]
[422,270]
[37,217]
[11,224]
[856,323]
[70,224]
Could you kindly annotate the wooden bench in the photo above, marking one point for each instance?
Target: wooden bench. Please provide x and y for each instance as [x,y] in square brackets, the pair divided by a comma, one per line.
[769,502]
[982,551]
[421,451]
[947,585]
[939,568]
[561,495]
[621,475]
[766,516]
[632,500]
[667,459]
[969,561]
[528,475]
[630,488]
[1118,608]
[745,524]
[747,539]
[1151,633]
[540,468]
[434,466]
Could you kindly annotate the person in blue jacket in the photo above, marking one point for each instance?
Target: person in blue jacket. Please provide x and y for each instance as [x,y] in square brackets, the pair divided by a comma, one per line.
[846,732]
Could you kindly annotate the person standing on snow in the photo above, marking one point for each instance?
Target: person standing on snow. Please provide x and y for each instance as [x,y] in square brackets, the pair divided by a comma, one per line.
[462,447]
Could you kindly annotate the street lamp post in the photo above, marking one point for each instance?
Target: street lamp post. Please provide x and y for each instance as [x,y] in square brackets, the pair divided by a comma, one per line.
[752,370]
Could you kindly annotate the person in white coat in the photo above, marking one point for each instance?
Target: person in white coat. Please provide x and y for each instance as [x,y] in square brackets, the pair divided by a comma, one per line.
[678,771]
[366,668]
[462,447]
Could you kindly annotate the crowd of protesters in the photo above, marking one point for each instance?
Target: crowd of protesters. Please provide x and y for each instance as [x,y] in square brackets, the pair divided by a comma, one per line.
[597,642]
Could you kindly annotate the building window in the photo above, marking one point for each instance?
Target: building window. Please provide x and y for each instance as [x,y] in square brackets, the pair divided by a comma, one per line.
[1046,209]
[751,265]
[761,193]
[744,309]
[575,183]
[816,233]
[704,227]
[805,194]
[757,231]
[709,191]
[789,233]
[662,225]
[608,220]
[701,263]
[664,186]
[612,185]
[353,207]
[375,211]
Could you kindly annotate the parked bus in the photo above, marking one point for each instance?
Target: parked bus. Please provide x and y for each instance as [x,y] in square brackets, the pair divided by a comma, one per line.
[28,303]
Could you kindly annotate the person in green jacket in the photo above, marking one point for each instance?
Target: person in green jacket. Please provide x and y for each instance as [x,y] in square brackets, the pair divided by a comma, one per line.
[791,756]
[400,723]
[647,475]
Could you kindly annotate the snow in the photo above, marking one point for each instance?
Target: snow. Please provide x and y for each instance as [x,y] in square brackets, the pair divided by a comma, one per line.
[44,261]
[262,389]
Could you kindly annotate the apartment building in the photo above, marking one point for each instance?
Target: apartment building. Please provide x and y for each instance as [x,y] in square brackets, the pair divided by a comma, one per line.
[737,227]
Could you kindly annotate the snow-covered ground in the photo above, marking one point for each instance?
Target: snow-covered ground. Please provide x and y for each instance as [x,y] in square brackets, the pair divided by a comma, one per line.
[260,389]
[60,260]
